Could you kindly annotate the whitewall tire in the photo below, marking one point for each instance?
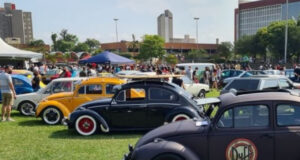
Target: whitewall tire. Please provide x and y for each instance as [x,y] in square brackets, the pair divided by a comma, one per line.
[86,125]
[180,117]
[52,115]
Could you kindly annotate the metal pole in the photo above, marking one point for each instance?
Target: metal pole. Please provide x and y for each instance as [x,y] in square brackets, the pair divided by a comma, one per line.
[116,20]
[196,19]
[286,32]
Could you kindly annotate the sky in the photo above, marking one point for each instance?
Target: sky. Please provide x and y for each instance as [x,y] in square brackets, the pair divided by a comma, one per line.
[94,18]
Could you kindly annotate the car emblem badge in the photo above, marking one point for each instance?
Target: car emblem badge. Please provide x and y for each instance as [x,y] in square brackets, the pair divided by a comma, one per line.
[241,149]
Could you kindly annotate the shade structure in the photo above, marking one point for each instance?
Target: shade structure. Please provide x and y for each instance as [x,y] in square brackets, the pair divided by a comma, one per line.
[7,51]
[108,58]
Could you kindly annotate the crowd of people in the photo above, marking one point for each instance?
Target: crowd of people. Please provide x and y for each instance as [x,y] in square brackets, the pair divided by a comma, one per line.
[209,76]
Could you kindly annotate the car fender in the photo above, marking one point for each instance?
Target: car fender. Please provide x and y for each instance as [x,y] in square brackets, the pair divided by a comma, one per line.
[160,147]
[92,113]
[56,104]
[17,105]
[181,110]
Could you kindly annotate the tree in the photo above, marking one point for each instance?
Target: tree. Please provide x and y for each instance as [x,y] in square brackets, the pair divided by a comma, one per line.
[93,44]
[151,47]
[197,54]
[81,47]
[225,49]
[65,43]
[65,46]
[37,43]
[171,59]
[133,46]
[51,57]
[97,51]
[127,55]
[54,39]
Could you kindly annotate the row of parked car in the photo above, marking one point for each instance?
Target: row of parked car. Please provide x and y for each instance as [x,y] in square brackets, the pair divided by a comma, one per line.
[109,103]
[255,117]
[241,124]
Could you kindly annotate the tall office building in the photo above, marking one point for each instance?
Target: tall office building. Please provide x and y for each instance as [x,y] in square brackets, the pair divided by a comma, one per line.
[165,25]
[251,15]
[15,25]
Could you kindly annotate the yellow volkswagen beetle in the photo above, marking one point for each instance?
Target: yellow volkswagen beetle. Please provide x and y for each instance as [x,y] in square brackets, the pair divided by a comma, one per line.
[58,106]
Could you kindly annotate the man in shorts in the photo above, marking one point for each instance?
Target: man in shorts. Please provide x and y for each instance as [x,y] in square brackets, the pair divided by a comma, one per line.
[8,93]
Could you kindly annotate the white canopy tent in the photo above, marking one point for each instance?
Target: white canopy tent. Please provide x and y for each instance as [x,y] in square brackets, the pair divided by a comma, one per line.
[7,51]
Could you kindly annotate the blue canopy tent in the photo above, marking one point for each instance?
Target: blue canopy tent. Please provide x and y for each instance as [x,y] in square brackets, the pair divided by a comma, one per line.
[107,58]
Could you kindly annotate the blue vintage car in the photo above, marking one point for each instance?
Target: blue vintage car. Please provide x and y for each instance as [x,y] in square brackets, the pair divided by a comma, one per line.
[21,83]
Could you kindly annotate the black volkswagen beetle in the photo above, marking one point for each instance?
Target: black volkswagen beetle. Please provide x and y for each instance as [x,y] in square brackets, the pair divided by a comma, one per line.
[141,105]
[252,126]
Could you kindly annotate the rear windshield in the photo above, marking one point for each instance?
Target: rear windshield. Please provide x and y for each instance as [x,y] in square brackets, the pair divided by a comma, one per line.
[243,85]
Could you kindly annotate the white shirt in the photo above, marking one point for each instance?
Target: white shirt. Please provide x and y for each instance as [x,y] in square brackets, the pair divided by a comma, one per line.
[5,79]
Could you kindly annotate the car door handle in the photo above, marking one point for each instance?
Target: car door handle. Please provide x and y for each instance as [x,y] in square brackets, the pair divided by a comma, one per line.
[266,135]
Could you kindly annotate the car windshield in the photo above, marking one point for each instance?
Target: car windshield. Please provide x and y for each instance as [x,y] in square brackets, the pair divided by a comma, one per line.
[243,85]
[247,74]
[186,80]
[183,92]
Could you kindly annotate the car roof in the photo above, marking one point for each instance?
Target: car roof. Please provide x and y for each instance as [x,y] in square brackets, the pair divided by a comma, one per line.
[231,98]
[261,77]
[103,79]
[69,79]
[148,83]
[21,77]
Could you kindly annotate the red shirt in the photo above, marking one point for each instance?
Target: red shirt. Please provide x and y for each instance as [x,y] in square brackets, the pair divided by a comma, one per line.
[67,74]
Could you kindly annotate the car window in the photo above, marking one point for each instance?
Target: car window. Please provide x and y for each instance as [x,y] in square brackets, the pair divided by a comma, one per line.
[132,94]
[225,74]
[62,87]
[245,117]
[272,83]
[81,90]
[93,89]
[226,120]
[109,89]
[17,82]
[236,73]
[247,74]
[243,85]
[284,83]
[288,115]
[161,94]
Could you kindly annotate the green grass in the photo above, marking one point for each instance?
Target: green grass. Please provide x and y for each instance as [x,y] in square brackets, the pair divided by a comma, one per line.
[30,139]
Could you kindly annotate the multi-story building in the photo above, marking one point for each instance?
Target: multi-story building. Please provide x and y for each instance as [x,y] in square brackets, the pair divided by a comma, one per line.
[15,24]
[251,15]
[165,25]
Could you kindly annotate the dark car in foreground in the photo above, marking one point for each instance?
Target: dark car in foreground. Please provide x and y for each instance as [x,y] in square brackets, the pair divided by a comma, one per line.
[141,105]
[259,83]
[247,126]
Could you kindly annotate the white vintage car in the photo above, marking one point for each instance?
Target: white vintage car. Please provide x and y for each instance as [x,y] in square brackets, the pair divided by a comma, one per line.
[196,89]
[26,103]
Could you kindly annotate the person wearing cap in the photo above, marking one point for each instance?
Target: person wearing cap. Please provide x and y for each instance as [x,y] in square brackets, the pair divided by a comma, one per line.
[8,93]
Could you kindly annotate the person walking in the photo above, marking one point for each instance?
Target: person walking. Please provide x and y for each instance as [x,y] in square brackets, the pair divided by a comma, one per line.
[207,76]
[83,73]
[8,93]
[36,81]
[189,73]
